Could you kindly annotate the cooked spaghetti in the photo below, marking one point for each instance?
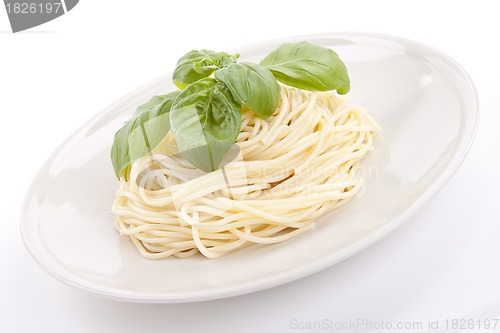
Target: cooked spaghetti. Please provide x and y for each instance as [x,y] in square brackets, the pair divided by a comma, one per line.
[289,170]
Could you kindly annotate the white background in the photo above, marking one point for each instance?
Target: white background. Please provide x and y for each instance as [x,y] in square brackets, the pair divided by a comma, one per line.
[443,263]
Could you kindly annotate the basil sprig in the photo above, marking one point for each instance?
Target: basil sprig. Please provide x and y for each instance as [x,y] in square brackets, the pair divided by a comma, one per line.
[205,116]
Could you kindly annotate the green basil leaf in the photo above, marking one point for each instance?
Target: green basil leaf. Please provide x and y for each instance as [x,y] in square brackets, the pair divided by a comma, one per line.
[205,121]
[198,64]
[142,132]
[252,85]
[308,66]
[214,61]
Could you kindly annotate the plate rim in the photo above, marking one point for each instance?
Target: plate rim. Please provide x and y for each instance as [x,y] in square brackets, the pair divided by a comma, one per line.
[290,274]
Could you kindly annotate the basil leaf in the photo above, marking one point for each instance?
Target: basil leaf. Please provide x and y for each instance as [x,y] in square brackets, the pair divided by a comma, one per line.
[252,85]
[214,61]
[205,122]
[198,64]
[308,66]
[142,132]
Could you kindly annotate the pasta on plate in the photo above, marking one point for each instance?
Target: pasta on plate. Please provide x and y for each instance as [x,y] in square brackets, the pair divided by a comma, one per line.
[286,172]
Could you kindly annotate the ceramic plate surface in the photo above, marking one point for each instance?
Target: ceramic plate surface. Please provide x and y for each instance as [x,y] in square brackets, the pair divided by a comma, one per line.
[424,101]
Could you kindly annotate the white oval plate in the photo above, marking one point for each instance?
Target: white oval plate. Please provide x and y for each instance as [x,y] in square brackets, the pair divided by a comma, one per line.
[424,101]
